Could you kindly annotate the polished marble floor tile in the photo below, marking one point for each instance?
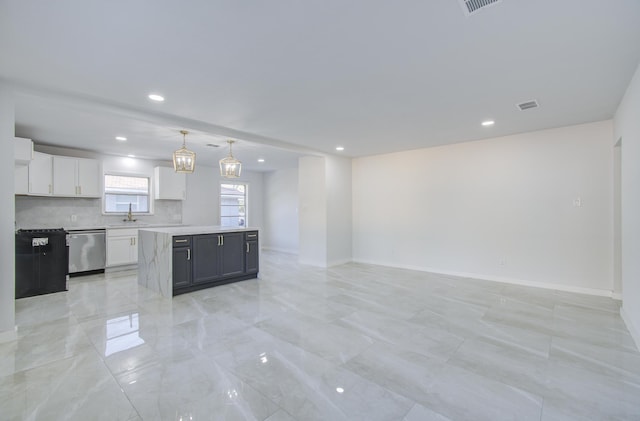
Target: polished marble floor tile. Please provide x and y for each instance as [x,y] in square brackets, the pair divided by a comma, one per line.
[352,342]
[79,387]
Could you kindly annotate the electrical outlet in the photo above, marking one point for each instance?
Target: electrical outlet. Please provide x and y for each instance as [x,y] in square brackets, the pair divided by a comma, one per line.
[74,218]
[577,202]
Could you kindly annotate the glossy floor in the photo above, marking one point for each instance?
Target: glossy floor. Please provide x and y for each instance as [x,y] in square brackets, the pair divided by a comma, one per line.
[354,342]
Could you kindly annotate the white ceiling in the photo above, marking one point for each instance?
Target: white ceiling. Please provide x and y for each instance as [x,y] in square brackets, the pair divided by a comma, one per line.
[373,76]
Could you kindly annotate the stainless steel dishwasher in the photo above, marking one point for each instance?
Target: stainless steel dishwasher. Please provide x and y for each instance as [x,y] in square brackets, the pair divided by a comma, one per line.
[86,251]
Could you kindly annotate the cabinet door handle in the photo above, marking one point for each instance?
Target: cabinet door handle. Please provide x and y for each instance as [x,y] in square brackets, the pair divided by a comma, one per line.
[222,236]
[218,241]
[130,241]
[247,247]
[188,254]
[49,188]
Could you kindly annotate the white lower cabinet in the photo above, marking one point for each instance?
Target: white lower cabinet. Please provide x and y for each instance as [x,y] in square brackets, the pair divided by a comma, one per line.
[122,246]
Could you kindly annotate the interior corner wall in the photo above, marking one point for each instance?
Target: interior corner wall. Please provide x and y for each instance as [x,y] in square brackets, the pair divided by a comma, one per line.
[339,210]
[7,229]
[312,211]
[533,208]
[281,211]
[627,128]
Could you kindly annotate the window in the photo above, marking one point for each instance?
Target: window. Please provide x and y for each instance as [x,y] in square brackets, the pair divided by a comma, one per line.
[120,191]
[233,201]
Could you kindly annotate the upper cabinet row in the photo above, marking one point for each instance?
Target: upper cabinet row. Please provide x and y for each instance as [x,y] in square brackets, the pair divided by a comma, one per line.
[40,174]
[51,175]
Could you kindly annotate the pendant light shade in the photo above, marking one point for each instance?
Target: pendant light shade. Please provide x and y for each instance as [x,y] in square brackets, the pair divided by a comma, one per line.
[184,160]
[229,166]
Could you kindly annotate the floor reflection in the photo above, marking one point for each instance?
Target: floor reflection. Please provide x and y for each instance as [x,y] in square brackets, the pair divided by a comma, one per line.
[123,333]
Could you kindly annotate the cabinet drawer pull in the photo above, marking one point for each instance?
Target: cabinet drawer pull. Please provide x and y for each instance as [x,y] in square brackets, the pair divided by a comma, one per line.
[252,235]
[181,241]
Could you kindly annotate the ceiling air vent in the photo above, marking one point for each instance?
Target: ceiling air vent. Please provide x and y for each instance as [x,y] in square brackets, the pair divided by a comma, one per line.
[527,105]
[471,7]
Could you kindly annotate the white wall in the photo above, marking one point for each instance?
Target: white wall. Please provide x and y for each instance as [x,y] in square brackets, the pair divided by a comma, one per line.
[339,212]
[498,209]
[281,211]
[312,211]
[627,128]
[7,230]
[202,206]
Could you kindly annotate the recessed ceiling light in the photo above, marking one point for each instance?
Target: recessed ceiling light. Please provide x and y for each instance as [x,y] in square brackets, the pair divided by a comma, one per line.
[156,97]
[488,123]
[121,138]
[260,159]
[339,148]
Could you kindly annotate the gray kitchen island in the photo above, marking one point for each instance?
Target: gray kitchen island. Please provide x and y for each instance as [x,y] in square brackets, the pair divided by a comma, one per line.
[175,260]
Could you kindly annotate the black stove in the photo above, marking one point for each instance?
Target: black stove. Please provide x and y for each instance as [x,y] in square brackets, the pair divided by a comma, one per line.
[42,261]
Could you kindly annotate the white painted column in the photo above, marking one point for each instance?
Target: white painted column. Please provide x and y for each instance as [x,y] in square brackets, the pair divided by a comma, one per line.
[324,195]
[339,213]
[7,216]
[312,216]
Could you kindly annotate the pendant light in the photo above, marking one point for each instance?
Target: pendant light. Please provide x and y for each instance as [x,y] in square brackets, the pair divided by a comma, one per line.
[229,166]
[184,160]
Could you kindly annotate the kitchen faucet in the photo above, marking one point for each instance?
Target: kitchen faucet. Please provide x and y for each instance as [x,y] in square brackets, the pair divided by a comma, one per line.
[129,217]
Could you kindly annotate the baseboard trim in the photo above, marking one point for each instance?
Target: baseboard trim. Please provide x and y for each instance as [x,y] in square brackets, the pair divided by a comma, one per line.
[9,335]
[338,262]
[506,280]
[280,250]
[635,333]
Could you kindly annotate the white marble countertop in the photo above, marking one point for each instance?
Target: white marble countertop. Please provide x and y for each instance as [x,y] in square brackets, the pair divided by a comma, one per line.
[195,230]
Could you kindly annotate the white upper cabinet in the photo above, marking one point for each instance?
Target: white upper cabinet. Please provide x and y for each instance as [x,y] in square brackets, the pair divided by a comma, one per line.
[21,179]
[64,176]
[23,151]
[40,175]
[169,185]
[75,177]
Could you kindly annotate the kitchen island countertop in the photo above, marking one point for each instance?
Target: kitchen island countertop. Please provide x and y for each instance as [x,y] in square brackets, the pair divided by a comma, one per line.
[196,230]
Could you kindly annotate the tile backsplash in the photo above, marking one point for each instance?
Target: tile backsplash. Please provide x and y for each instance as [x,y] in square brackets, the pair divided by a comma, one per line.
[57,212]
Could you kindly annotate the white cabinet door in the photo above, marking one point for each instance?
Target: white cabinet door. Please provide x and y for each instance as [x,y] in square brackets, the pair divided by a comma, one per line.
[119,251]
[169,185]
[21,179]
[64,176]
[122,246]
[75,177]
[134,249]
[40,173]
[88,178]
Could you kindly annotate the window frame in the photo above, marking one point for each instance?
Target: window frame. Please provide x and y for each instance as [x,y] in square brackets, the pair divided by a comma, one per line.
[246,202]
[150,196]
